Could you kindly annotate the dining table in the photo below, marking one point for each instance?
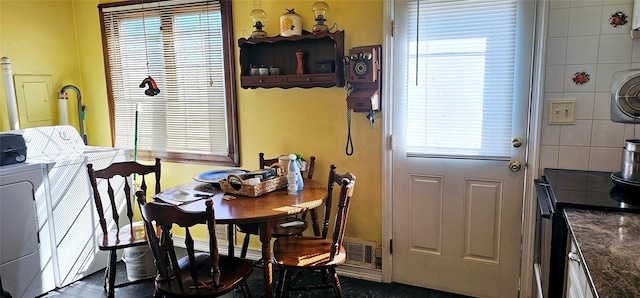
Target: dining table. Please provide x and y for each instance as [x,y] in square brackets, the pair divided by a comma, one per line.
[264,210]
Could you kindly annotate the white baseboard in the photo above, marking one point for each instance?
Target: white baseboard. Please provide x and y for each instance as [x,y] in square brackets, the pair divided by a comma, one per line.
[359,272]
[348,270]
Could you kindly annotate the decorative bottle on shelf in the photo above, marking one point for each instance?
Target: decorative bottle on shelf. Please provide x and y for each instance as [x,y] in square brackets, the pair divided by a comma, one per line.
[292,175]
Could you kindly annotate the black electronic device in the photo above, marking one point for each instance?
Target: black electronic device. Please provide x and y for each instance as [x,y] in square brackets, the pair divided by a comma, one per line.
[12,149]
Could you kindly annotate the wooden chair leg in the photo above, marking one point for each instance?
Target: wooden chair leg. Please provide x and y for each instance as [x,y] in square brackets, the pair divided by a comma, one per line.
[105,278]
[280,282]
[230,231]
[245,246]
[288,281]
[325,275]
[284,282]
[111,274]
[337,287]
[246,292]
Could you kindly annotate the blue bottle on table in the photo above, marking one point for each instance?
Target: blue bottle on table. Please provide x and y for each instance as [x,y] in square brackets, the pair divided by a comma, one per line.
[292,175]
[299,174]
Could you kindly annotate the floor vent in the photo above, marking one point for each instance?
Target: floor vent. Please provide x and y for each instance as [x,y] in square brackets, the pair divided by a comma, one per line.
[360,252]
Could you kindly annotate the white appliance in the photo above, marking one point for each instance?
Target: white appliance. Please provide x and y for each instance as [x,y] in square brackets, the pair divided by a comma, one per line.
[26,265]
[625,96]
[70,210]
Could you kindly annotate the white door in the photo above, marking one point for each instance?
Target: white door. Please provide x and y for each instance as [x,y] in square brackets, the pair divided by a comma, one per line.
[461,95]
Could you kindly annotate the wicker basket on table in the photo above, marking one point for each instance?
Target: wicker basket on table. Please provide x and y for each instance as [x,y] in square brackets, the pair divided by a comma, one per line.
[247,190]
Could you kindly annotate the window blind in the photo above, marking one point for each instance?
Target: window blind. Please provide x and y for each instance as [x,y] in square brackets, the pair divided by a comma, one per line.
[180,45]
[460,69]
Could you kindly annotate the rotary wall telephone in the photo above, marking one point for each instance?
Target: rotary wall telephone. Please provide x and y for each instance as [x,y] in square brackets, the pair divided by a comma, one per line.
[363,84]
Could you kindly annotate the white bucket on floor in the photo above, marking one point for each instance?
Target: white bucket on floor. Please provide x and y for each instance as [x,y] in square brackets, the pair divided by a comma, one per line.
[139,262]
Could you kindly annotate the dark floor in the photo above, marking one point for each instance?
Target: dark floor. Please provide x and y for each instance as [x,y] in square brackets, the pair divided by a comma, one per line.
[91,287]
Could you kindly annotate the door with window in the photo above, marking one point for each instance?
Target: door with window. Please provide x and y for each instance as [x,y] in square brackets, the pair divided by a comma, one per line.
[460,101]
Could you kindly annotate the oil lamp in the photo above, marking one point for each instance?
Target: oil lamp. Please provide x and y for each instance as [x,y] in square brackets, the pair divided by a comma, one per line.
[257,16]
[320,9]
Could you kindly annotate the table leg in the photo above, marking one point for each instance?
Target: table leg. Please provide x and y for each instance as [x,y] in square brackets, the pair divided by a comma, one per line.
[267,268]
[315,222]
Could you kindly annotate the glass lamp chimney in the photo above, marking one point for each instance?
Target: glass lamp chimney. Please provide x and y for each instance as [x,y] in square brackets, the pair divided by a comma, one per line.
[258,16]
[320,9]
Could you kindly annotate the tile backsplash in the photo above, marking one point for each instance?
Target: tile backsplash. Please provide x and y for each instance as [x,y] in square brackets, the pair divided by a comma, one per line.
[581,38]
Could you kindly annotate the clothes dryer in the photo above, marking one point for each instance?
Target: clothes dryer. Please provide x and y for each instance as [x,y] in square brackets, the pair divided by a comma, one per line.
[26,263]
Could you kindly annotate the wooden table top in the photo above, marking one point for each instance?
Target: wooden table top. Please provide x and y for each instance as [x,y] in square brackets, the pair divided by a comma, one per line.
[273,205]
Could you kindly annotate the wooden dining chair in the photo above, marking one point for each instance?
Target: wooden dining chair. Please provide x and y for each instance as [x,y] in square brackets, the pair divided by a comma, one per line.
[198,274]
[120,236]
[290,226]
[294,255]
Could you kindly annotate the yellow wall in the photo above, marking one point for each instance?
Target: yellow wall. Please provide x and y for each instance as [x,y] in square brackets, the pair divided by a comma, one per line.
[39,38]
[318,114]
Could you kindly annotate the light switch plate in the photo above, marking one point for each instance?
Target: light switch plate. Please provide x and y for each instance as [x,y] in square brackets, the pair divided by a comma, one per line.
[562,111]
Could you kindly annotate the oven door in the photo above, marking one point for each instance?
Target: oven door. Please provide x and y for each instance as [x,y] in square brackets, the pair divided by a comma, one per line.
[542,249]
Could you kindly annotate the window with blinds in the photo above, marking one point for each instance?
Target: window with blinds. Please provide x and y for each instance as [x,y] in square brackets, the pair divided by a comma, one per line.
[461,63]
[182,46]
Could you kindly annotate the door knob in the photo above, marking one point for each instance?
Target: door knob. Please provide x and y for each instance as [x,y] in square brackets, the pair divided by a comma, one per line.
[516,142]
[515,166]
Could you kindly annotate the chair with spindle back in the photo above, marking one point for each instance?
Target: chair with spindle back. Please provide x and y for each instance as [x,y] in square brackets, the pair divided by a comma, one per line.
[290,226]
[120,236]
[310,253]
[198,274]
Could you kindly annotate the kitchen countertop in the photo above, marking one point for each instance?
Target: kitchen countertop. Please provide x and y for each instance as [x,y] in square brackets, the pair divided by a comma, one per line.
[609,244]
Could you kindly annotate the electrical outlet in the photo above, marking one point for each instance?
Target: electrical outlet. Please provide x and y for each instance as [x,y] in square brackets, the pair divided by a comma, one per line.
[562,111]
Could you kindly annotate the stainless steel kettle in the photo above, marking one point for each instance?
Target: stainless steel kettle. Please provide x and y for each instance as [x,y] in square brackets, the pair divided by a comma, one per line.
[631,160]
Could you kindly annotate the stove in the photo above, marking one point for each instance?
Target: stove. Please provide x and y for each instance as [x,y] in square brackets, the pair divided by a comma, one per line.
[559,189]
[590,190]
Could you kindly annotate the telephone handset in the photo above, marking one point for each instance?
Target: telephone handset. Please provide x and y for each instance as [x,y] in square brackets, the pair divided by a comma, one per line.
[363,73]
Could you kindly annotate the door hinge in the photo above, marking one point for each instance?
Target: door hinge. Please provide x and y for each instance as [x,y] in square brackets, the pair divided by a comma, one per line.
[391,142]
[393,28]
[390,246]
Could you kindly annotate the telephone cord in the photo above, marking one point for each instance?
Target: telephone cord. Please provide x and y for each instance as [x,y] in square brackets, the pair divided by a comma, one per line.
[349,147]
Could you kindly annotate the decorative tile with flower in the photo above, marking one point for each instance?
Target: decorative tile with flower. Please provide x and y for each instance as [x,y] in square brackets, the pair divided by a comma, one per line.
[581,77]
[618,19]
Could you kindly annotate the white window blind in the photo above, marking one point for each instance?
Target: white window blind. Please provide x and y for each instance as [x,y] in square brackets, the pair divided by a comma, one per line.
[461,61]
[180,45]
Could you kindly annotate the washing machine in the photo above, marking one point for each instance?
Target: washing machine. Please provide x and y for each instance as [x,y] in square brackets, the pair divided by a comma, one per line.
[26,262]
[74,222]
[66,210]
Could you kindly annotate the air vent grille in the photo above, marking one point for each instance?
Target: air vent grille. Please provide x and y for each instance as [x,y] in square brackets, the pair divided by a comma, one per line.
[625,96]
[360,252]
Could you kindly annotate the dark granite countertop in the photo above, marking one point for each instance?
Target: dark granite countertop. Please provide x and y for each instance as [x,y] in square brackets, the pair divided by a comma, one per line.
[609,245]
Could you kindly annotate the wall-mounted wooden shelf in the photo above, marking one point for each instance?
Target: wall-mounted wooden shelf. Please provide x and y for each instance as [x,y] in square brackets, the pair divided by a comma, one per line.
[279,51]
